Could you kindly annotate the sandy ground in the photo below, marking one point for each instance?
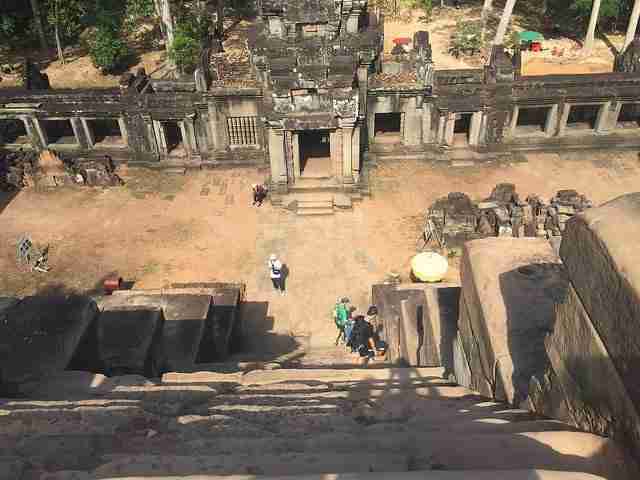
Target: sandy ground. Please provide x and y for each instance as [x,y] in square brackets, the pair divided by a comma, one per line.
[159,229]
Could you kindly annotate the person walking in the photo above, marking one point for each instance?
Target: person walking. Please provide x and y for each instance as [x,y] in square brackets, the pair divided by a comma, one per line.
[341,317]
[275,272]
[362,339]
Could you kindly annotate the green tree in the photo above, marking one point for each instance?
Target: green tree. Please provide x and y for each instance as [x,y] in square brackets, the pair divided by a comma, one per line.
[185,49]
[107,48]
[66,18]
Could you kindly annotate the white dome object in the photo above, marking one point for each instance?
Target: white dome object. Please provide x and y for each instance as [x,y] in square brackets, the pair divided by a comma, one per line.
[429,266]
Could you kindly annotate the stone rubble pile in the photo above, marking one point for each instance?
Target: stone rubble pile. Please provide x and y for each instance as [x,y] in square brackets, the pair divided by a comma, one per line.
[23,169]
[503,214]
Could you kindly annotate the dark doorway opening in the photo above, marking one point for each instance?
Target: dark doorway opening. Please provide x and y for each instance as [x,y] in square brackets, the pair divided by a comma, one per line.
[461,129]
[59,132]
[106,132]
[173,136]
[629,116]
[13,132]
[583,117]
[388,127]
[532,120]
[315,153]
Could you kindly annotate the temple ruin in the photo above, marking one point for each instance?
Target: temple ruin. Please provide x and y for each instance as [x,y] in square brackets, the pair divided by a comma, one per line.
[317,101]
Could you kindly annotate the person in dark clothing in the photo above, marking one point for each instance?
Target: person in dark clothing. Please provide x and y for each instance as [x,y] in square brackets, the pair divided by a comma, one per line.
[362,339]
[259,194]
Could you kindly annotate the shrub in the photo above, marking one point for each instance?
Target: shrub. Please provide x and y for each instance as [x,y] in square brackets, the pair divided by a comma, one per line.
[7,27]
[107,49]
[466,39]
[185,50]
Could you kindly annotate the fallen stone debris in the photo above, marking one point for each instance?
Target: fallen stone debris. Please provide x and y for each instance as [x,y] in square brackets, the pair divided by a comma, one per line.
[455,219]
[24,169]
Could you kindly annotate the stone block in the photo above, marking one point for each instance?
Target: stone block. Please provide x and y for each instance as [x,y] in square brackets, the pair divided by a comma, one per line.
[480,377]
[39,336]
[597,398]
[130,339]
[601,252]
[508,290]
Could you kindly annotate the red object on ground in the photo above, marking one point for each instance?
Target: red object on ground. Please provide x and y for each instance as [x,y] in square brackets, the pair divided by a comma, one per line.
[402,41]
[111,284]
[536,46]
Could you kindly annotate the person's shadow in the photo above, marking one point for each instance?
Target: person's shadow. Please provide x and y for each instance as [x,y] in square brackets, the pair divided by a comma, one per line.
[285,276]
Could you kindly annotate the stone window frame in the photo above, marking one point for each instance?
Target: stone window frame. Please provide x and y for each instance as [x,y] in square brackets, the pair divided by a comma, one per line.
[597,128]
[91,137]
[237,137]
[45,137]
[26,129]
[549,127]
[618,129]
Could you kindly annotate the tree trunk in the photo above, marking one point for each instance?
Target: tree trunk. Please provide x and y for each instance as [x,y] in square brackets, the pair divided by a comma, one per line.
[220,19]
[591,31]
[57,33]
[504,22]
[167,20]
[59,44]
[486,10]
[38,19]
[633,25]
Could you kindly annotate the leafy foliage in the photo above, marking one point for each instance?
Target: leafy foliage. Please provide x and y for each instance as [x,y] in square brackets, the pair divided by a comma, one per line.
[466,39]
[7,27]
[136,9]
[185,49]
[68,14]
[108,49]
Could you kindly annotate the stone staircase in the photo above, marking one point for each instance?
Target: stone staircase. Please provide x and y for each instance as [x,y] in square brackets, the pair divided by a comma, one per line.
[299,422]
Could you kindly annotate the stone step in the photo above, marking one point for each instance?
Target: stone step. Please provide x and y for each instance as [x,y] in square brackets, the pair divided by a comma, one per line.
[315,211]
[417,475]
[308,203]
[265,377]
[565,451]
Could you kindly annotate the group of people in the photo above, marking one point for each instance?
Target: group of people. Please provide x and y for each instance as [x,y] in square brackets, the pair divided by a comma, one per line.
[359,333]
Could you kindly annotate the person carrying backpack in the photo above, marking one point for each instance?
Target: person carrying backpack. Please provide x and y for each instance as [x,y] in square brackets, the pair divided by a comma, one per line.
[341,317]
[275,272]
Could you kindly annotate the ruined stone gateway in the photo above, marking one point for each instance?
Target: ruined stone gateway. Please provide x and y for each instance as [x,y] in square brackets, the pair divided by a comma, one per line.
[316,100]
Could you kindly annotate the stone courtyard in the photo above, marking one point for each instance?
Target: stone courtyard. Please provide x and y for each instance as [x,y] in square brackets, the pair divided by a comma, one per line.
[158,229]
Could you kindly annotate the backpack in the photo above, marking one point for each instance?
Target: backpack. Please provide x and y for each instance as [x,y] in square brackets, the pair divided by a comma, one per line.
[276,271]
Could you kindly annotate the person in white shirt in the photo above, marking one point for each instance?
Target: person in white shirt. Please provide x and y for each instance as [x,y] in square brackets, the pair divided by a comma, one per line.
[275,272]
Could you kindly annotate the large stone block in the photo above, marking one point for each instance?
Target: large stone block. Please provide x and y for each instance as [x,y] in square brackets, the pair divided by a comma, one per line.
[39,336]
[596,396]
[130,339]
[508,290]
[601,252]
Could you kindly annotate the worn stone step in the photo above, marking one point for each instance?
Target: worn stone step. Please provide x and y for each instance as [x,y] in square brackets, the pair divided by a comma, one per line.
[286,463]
[315,211]
[266,377]
[311,204]
[417,475]
[568,451]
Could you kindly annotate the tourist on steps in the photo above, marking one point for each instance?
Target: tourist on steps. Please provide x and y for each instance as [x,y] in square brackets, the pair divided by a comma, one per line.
[341,317]
[259,194]
[362,339]
[275,272]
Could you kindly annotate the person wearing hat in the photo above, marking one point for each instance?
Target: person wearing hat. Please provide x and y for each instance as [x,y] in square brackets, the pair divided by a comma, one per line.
[275,272]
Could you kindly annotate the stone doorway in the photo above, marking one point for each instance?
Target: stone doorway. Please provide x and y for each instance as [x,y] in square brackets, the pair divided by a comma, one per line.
[174,139]
[13,132]
[315,153]
[462,130]
[582,118]
[59,132]
[388,127]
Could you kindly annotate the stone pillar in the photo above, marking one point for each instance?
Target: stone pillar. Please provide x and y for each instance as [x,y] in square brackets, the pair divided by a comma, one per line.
[566,108]
[295,153]
[514,121]
[412,128]
[449,128]
[147,135]
[602,120]
[79,133]
[41,133]
[347,127]
[550,126]
[189,134]
[614,114]
[442,123]
[277,159]
[426,123]
[335,144]
[363,81]
[355,153]
[474,128]
[33,131]
[123,130]
[218,124]
[88,133]
[161,140]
